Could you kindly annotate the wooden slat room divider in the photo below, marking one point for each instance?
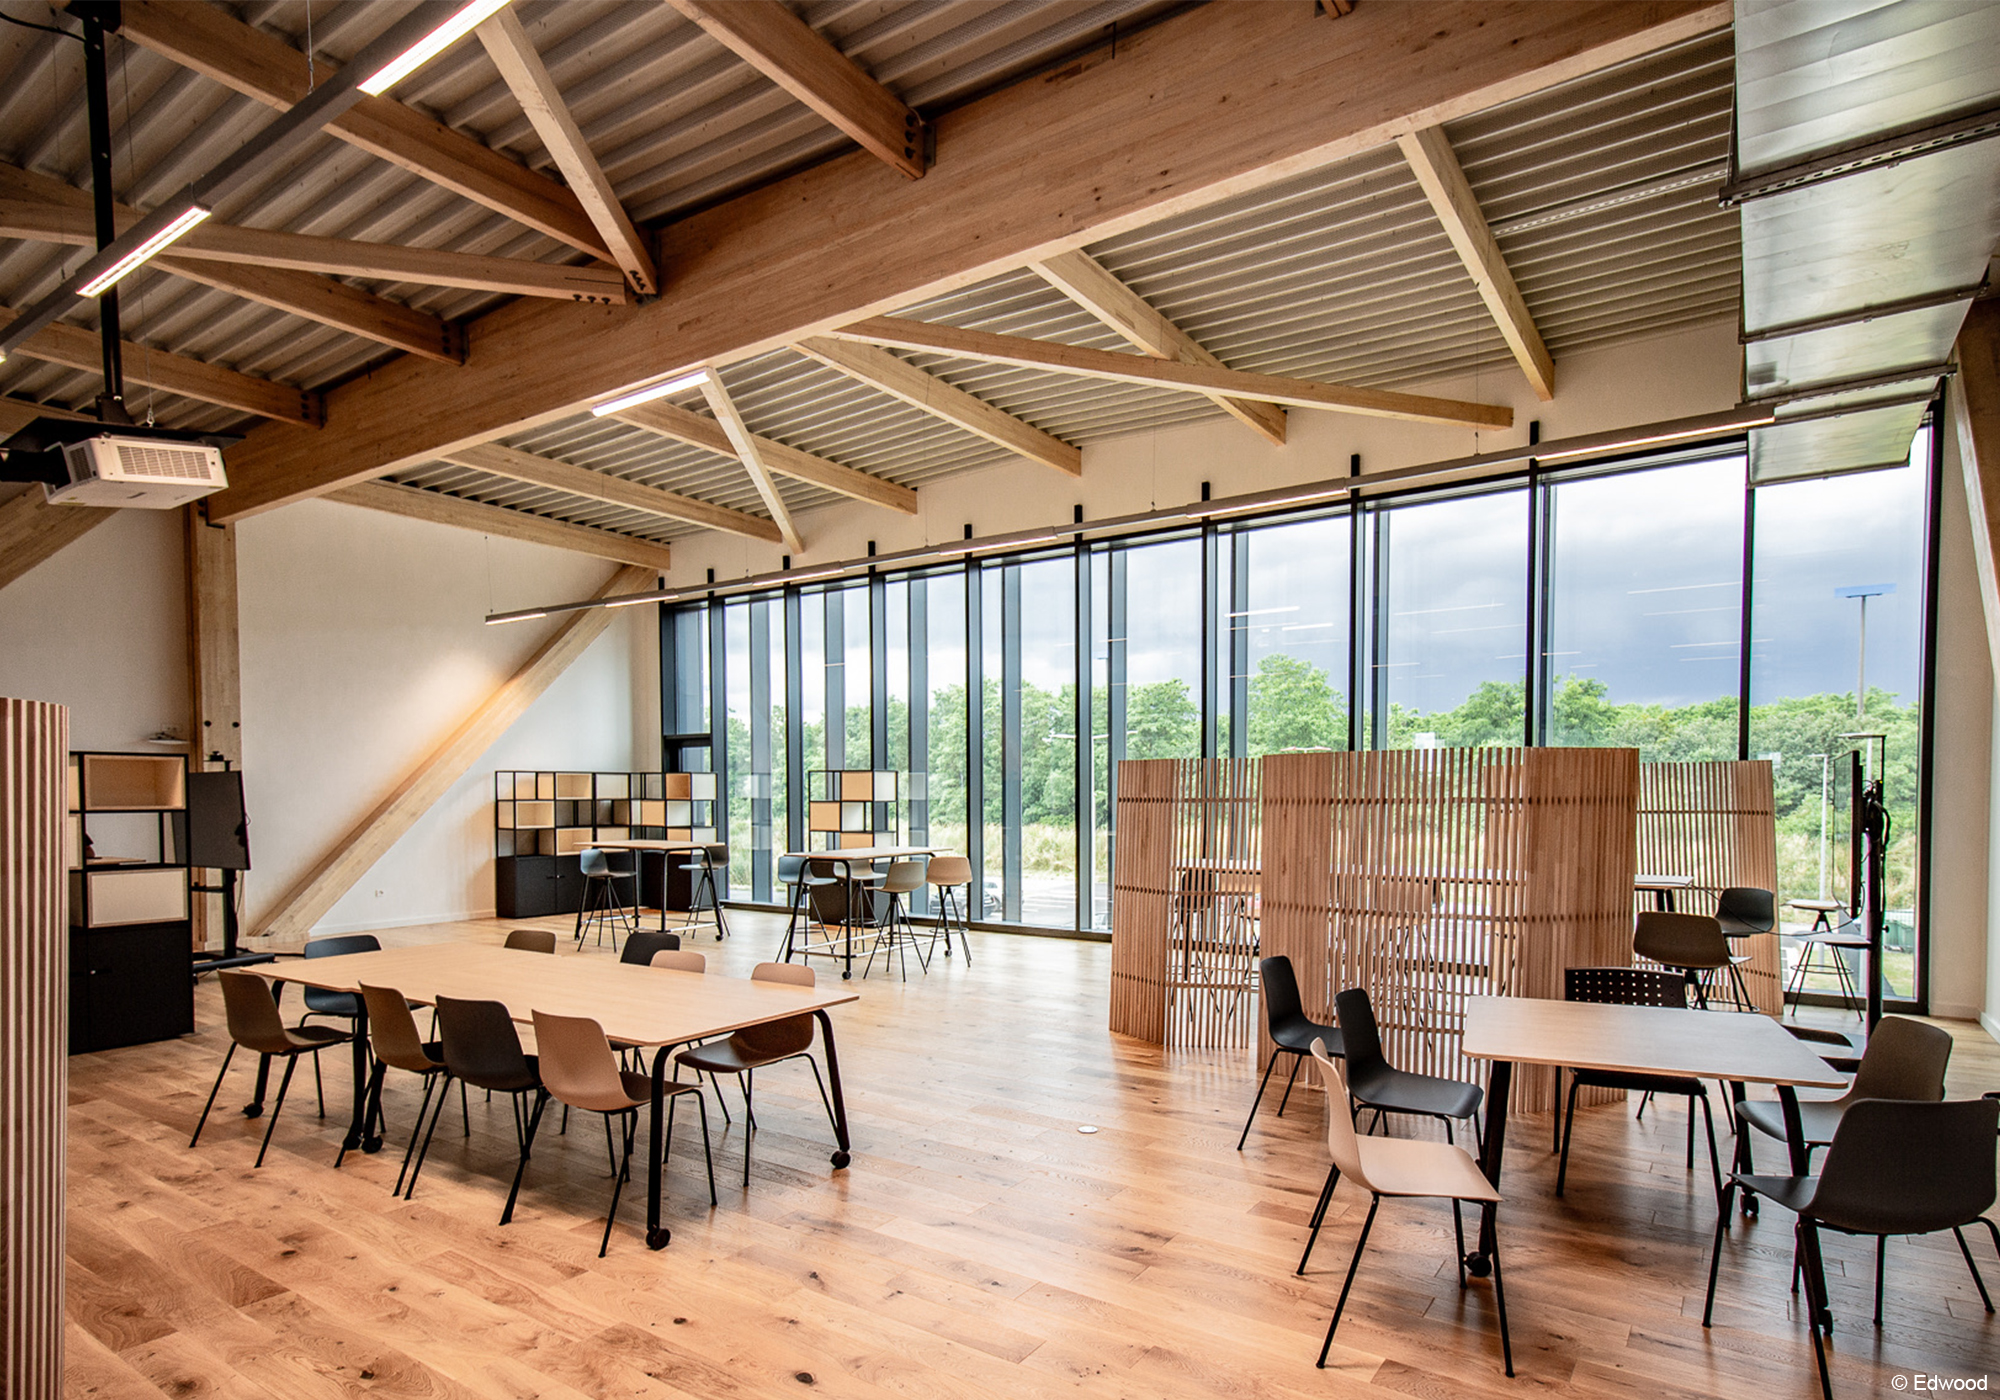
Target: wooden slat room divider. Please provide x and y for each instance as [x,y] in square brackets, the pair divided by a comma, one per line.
[1141,894]
[1430,876]
[34,1044]
[1716,822]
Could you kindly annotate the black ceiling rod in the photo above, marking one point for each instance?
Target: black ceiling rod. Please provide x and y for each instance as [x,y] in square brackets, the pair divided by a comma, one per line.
[98,19]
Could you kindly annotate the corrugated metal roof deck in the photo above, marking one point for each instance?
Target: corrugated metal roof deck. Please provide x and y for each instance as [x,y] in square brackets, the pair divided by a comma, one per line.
[1343,275]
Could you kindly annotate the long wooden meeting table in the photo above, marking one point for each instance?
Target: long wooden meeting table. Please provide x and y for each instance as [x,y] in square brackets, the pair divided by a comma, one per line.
[651,1007]
[1736,1048]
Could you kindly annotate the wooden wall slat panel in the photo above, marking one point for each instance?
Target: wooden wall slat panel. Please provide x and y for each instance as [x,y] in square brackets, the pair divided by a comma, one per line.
[1717,823]
[34,1043]
[1141,892]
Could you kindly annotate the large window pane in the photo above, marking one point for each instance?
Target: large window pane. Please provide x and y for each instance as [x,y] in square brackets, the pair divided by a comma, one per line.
[1448,650]
[937,715]
[1832,555]
[1645,617]
[1156,654]
[1289,637]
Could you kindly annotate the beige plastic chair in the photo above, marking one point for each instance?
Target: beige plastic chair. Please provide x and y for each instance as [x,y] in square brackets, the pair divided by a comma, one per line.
[580,1071]
[531,940]
[1402,1167]
[895,934]
[393,1036]
[750,1049]
[254,1024]
[680,960]
[1905,1060]
[946,874]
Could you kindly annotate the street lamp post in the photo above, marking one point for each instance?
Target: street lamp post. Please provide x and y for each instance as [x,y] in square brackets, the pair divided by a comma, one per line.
[1863,591]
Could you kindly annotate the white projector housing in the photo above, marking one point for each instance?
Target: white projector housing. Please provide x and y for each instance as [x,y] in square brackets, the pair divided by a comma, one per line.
[147,473]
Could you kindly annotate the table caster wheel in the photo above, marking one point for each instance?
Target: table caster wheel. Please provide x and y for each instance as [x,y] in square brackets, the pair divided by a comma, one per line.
[1750,1206]
[657,1238]
[1478,1265]
[847,977]
[841,1159]
[253,1110]
[371,1145]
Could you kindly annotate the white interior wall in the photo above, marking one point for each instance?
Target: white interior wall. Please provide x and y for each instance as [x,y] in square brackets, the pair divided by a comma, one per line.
[363,645]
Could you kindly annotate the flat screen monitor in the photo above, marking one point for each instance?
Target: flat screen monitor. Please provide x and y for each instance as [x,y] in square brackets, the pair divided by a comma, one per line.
[218,835]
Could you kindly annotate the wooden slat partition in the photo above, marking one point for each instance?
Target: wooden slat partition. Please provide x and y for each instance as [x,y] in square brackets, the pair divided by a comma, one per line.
[1211,944]
[1430,876]
[34,1045]
[1717,823]
[1141,896]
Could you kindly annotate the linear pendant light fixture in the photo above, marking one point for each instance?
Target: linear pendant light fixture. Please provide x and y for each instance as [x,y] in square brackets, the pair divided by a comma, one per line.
[266,152]
[648,394]
[469,18]
[118,271]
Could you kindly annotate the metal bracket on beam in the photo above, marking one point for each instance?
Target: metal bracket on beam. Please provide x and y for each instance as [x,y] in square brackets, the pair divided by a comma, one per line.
[1877,154]
[1862,314]
[1789,394]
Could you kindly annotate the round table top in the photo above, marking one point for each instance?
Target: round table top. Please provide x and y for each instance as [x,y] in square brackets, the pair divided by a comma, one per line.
[1824,906]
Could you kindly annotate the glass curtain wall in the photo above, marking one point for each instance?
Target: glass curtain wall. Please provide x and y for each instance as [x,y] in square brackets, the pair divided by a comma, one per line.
[1410,623]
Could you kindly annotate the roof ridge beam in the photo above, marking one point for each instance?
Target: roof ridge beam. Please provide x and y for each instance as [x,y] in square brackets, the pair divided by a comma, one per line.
[1092,286]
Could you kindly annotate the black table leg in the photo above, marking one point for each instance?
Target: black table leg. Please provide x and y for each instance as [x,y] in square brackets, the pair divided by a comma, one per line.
[657,1235]
[358,1124]
[1499,1088]
[1742,1160]
[255,1108]
[840,1157]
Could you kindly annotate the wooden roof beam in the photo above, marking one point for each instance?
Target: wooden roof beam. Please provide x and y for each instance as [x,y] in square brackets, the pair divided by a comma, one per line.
[689,427]
[766,35]
[35,206]
[1437,169]
[517,465]
[260,65]
[1088,283]
[513,53]
[1037,168]
[440,509]
[748,451]
[919,388]
[1169,374]
[175,374]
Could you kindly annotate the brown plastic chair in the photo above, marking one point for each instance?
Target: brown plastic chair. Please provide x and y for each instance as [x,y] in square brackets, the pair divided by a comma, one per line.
[946,874]
[894,932]
[1691,944]
[1402,1167]
[531,940]
[1904,1059]
[482,1048]
[393,1035]
[1894,1168]
[754,1047]
[580,1070]
[680,960]
[254,1024]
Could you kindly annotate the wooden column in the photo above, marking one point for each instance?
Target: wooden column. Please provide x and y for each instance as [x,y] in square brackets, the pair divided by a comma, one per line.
[1141,892]
[215,676]
[34,1044]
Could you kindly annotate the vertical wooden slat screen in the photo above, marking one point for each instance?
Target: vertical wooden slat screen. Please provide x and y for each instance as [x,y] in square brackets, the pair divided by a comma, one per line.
[1141,895]
[34,1045]
[1717,823]
[1431,876]
[1212,932]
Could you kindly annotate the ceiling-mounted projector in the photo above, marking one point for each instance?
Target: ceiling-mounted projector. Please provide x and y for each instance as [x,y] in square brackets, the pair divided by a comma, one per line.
[112,469]
[116,465]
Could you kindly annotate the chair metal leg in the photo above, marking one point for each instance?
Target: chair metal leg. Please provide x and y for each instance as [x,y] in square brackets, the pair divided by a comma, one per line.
[1374,1204]
[430,1087]
[1816,1293]
[319,1086]
[750,1121]
[444,1092]
[1977,1282]
[619,1171]
[1290,1080]
[1458,1231]
[1708,1118]
[1715,1255]
[1881,1264]
[1262,1085]
[1500,1302]
[202,1122]
[291,1063]
[824,1102]
[372,1095]
[1319,1216]
[527,1146]
[1569,1118]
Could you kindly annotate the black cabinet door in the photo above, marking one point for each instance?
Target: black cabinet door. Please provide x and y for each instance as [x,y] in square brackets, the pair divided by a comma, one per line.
[525,886]
[130,985]
[568,883]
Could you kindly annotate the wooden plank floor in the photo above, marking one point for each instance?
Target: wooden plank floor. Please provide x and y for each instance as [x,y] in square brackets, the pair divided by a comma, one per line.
[980,1246]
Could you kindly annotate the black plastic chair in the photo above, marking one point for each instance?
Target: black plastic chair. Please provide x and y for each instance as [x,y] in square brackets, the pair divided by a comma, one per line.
[1744,911]
[705,891]
[530,940]
[795,873]
[345,1006]
[1634,986]
[641,946]
[1372,1082]
[1691,944]
[254,1024]
[1893,1168]
[1292,1032]
[601,897]
[482,1048]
